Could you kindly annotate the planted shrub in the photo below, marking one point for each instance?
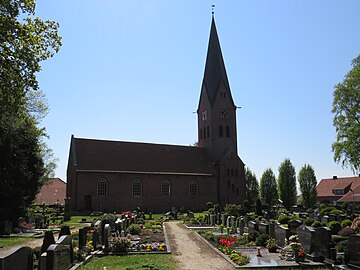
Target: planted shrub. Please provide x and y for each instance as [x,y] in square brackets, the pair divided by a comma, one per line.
[346,223]
[283,219]
[336,212]
[134,229]
[239,259]
[308,221]
[261,240]
[342,246]
[120,244]
[334,226]
[326,210]
[316,224]
[253,235]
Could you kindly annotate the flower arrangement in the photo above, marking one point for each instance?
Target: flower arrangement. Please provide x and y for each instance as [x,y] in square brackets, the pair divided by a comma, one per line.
[227,244]
[271,244]
[155,246]
[120,243]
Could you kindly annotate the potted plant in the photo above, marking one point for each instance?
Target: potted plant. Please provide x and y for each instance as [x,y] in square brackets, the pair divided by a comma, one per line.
[271,245]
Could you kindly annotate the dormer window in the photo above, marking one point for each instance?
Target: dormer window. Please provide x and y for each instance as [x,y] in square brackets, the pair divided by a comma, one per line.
[338,191]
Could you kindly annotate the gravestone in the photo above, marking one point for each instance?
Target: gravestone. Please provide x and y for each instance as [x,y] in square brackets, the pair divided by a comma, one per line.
[233,224]
[272,230]
[96,239]
[218,218]
[263,227]
[253,226]
[281,233]
[213,220]
[303,215]
[223,219]
[306,237]
[106,240]
[47,241]
[228,222]
[65,230]
[241,226]
[293,224]
[82,237]
[59,256]
[17,258]
[322,242]
[190,214]
[332,217]
[354,251]
[5,227]
[324,220]
[246,220]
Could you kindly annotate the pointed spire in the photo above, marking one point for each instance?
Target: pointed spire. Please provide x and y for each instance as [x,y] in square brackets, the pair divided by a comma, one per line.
[215,72]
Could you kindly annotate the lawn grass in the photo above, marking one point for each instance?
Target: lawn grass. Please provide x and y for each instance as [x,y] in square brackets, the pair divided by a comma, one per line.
[13,241]
[132,262]
[75,221]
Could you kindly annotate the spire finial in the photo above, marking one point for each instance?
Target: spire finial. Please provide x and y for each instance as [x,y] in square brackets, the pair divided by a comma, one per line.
[212,10]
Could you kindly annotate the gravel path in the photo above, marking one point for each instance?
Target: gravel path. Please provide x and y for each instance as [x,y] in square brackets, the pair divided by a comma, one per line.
[190,252]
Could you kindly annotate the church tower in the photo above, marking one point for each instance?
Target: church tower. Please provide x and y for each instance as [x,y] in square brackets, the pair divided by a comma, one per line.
[217,124]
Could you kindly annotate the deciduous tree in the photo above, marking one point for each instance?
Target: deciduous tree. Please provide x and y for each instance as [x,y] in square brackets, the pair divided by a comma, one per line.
[307,182]
[287,184]
[252,187]
[346,109]
[25,41]
[268,188]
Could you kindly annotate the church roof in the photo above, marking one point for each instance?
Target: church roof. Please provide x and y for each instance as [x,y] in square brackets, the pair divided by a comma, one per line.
[136,157]
[215,71]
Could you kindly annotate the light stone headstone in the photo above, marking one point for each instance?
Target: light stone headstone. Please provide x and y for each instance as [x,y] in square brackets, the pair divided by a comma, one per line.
[106,240]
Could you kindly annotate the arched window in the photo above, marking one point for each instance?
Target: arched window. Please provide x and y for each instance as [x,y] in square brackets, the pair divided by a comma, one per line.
[208,131]
[221,132]
[102,187]
[193,188]
[227,131]
[137,188]
[165,188]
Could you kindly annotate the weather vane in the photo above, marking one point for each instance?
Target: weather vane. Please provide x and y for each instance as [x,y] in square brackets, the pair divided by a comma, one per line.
[212,9]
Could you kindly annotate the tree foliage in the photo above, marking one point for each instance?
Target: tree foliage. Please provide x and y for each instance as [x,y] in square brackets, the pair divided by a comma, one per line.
[307,182]
[252,187]
[268,188]
[25,161]
[346,109]
[287,184]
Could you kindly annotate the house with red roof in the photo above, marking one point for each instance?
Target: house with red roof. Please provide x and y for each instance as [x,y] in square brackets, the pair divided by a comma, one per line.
[344,189]
[53,192]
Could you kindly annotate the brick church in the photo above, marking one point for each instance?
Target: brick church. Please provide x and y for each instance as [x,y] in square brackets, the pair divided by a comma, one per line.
[107,175]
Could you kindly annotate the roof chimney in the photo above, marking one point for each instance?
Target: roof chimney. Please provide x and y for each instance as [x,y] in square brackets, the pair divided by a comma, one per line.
[335,177]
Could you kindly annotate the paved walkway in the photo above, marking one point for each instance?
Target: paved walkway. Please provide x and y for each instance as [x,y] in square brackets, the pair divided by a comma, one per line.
[190,252]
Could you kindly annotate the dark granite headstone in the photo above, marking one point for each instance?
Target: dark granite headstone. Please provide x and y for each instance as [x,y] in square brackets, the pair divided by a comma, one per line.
[281,233]
[332,217]
[96,240]
[306,237]
[65,230]
[5,227]
[354,251]
[18,258]
[272,230]
[82,237]
[293,224]
[322,242]
[59,255]
[246,220]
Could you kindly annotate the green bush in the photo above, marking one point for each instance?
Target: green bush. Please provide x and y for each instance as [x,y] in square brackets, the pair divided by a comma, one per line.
[261,240]
[326,210]
[334,226]
[253,235]
[239,259]
[134,229]
[233,210]
[336,212]
[345,223]
[283,219]
[316,224]
[308,221]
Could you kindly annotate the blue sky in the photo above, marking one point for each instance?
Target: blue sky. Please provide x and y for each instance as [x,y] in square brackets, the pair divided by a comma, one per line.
[132,71]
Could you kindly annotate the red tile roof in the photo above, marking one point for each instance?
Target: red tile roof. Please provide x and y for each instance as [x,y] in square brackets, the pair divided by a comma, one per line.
[101,155]
[326,186]
[352,196]
[52,192]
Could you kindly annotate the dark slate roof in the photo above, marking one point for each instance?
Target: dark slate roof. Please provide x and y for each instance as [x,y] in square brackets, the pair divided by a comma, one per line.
[135,157]
[215,71]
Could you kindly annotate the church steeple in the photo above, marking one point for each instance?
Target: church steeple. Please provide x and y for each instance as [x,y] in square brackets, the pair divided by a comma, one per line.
[216,111]
[215,72]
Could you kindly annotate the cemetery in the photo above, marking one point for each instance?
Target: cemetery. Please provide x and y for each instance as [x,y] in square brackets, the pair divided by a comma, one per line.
[323,237]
